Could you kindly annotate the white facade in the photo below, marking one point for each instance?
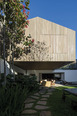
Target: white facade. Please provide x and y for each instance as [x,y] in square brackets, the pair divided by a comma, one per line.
[66,75]
[2,67]
[17,69]
[69,75]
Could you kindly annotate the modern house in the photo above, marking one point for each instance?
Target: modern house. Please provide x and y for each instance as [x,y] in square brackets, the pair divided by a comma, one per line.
[54,47]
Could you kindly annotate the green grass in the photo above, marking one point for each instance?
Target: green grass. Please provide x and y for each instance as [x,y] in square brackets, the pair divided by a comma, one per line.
[57,106]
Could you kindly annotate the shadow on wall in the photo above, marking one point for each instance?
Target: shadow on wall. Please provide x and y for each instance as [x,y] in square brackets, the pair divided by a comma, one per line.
[38,51]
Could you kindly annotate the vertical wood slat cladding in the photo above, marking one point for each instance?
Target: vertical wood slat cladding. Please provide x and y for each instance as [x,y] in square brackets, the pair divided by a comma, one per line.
[59,40]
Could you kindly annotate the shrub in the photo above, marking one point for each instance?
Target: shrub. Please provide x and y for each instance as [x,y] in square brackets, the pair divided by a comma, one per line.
[12,100]
[13,95]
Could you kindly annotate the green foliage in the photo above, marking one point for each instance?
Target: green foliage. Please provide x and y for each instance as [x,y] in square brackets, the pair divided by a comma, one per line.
[16,20]
[13,96]
[58,106]
[28,82]
[11,100]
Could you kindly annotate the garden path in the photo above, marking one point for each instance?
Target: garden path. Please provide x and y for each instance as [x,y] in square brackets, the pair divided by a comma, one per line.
[36,105]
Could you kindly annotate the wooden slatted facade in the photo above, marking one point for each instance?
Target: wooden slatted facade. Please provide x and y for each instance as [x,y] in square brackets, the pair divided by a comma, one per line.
[53,44]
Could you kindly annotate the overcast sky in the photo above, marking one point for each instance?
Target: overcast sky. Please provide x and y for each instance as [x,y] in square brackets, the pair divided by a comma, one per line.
[63,12]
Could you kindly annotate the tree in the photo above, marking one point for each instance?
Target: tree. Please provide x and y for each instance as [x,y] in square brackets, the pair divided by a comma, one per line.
[14,19]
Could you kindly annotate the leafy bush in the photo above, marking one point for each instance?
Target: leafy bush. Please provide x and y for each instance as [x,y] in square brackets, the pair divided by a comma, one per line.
[11,100]
[2,79]
[13,95]
[28,82]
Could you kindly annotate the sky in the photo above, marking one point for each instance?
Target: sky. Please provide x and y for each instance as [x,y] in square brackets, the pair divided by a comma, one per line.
[63,12]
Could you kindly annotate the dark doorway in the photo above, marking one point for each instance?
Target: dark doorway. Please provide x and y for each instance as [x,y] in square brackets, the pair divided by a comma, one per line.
[47,77]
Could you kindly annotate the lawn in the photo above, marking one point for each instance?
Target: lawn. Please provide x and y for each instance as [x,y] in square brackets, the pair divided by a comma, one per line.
[57,106]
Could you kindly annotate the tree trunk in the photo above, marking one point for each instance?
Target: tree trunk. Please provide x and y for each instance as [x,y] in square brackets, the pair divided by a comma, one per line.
[10,56]
[0,46]
[13,59]
[4,44]
[0,68]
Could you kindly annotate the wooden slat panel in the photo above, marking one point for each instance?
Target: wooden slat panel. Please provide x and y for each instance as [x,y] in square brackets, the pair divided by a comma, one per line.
[61,44]
[59,40]
[71,45]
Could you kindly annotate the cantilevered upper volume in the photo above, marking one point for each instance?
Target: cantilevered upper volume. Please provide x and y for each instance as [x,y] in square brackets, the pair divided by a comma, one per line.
[53,44]
[59,40]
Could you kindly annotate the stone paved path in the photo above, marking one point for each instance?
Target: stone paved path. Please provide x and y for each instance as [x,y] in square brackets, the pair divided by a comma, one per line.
[36,105]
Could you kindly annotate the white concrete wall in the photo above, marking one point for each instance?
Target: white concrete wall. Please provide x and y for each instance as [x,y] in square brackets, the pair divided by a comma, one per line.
[17,69]
[69,75]
[2,67]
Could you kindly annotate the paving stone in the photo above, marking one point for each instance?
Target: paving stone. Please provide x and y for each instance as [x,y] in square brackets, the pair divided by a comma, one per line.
[45,113]
[30,111]
[29,100]
[29,105]
[42,102]
[45,96]
[40,107]
[37,94]
[35,97]
[43,99]
[41,93]
[29,115]
[46,88]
